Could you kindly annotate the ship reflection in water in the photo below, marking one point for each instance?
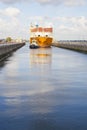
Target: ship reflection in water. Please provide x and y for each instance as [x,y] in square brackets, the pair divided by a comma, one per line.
[43,89]
[40,56]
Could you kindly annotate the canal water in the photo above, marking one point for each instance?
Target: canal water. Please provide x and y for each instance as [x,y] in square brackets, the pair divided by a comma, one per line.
[43,89]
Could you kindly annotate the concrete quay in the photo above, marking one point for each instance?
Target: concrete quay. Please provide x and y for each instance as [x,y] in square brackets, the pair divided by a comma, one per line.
[7,48]
[77,45]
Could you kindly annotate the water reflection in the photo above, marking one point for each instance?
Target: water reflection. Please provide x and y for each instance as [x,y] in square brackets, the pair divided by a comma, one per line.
[4,60]
[40,56]
[39,98]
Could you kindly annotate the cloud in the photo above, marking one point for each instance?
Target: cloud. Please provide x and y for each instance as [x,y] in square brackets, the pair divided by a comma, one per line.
[9,1]
[64,27]
[9,15]
[70,28]
[12,12]
[9,21]
[75,2]
[49,2]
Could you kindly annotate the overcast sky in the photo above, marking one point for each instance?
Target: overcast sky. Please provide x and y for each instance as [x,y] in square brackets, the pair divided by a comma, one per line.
[68,17]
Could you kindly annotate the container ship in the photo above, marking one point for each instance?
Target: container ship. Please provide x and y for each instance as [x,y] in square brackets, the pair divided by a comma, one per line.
[42,36]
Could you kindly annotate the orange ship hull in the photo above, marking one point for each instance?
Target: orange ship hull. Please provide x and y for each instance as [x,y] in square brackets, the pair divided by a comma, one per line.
[42,41]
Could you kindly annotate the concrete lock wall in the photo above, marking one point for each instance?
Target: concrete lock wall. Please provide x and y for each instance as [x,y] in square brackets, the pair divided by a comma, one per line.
[7,48]
[73,45]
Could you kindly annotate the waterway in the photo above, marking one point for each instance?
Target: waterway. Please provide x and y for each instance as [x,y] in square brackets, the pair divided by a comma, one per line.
[43,89]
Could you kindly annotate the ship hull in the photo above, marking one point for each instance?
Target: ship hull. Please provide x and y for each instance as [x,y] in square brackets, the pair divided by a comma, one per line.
[43,42]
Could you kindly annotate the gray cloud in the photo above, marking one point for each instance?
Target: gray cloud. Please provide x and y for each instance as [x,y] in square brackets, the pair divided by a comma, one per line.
[13,1]
[9,1]
[49,2]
